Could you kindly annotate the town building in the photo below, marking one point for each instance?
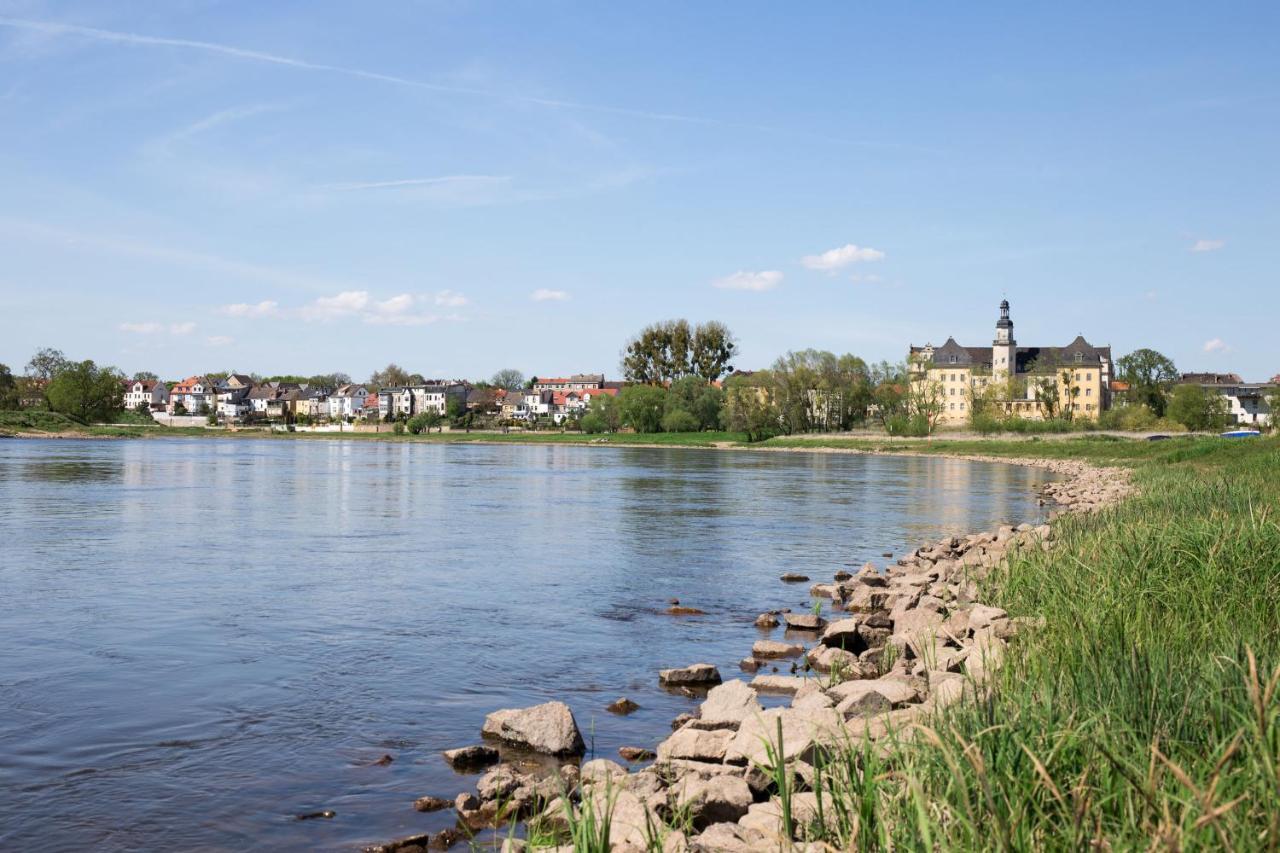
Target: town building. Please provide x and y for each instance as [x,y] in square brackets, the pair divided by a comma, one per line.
[577,382]
[1034,383]
[410,400]
[145,392]
[1248,403]
[347,402]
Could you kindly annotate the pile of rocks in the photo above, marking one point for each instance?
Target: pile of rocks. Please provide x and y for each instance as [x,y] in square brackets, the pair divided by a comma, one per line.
[899,644]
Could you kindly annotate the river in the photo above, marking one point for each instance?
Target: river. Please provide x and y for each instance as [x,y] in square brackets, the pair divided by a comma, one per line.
[204,638]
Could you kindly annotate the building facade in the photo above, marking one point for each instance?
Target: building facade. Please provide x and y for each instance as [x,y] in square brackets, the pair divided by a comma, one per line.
[1008,380]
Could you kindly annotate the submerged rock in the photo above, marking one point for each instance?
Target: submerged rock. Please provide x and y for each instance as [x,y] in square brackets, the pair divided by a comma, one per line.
[471,757]
[696,674]
[774,649]
[767,620]
[792,577]
[431,804]
[548,728]
[622,706]
[805,621]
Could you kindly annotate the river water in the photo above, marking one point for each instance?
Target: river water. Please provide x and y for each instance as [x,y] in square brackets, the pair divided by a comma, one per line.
[201,639]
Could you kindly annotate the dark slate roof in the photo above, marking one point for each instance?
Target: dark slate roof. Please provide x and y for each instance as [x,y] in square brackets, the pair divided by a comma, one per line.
[981,356]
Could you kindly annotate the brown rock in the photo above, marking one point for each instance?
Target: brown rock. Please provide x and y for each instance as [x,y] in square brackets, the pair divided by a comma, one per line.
[805,621]
[696,745]
[792,577]
[696,674]
[622,706]
[471,757]
[430,804]
[636,753]
[767,620]
[774,649]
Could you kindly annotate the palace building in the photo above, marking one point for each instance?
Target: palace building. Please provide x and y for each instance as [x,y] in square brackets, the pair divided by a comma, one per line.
[1006,380]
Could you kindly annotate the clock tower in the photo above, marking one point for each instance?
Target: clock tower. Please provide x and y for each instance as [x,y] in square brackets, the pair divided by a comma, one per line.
[1004,350]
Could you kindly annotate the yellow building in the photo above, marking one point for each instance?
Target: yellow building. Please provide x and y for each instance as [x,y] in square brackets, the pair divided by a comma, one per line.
[1006,380]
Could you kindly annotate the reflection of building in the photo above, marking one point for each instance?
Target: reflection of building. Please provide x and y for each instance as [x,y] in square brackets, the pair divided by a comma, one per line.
[1033,383]
[1247,402]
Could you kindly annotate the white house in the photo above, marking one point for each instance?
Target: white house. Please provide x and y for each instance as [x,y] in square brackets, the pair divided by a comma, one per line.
[148,392]
[410,400]
[347,402]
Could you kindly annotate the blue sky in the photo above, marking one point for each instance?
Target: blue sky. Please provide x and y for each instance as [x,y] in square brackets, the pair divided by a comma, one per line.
[461,187]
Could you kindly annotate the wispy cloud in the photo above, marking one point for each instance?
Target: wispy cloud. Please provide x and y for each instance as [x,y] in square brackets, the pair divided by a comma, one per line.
[834,259]
[1207,245]
[743,280]
[265,308]
[401,310]
[450,299]
[415,182]
[153,328]
[344,304]
[1216,345]
[543,294]
[209,122]
[219,340]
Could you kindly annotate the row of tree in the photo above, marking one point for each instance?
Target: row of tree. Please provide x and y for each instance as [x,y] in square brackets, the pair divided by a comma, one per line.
[78,389]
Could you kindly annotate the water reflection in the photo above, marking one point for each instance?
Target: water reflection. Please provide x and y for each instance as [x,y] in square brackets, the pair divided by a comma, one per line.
[209,631]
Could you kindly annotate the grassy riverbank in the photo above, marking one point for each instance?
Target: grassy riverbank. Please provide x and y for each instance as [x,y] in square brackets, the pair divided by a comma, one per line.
[1144,713]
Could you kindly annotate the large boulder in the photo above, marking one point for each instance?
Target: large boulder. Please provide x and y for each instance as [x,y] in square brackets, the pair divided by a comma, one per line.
[783,684]
[695,745]
[804,621]
[802,731]
[896,691]
[728,705]
[548,728]
[698,674]
[717,799]
[844,634]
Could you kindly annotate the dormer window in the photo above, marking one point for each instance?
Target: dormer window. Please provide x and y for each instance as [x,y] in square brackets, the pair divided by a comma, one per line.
[1079,358]
[953,359]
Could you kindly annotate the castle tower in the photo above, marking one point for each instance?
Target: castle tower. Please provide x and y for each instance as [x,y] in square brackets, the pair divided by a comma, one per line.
[1004,349]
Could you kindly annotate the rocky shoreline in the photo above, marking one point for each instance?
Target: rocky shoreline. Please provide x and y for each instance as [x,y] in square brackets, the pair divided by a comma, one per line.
[895,646]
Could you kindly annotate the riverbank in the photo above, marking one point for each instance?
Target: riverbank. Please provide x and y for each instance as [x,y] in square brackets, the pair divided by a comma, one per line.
[1135,699]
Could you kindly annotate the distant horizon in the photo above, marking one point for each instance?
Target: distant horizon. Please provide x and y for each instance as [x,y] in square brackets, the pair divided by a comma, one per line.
[314,187]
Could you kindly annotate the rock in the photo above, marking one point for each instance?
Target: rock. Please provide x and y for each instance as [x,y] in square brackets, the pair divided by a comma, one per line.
[767,620]
[629,818]
[445,838]
[888,555]
[896,691]
[430,804]
[548,728]
[805,621]
[792,577]
[824,590]
[773,649]
[748,664]
[864,704]
[471,757]
[728,705]
[719,799]
[695,674]
[678,610]
[787,684]
[499,783]
[814,701]
[680,721]
[636,753]
[847,664]
[602,770]
[844,634]
[623,706]
[842,575]
[765,819]
[728,838]
[696,745]
[980,616]
[802,731]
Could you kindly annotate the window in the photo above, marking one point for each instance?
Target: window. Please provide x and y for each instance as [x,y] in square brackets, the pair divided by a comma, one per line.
[1088,392]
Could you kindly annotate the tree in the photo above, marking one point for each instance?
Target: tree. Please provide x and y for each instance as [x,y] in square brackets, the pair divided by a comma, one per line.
[145,376]
[642,407]
[85,392]
[605,411]
[666,351]
[508,378]
[1150,376]
[749,408]
[1197,407]
[9,395]
[46,364]
[679,420]
[391,376]
[889,383]
[693,396]
[924,402]
[329,381]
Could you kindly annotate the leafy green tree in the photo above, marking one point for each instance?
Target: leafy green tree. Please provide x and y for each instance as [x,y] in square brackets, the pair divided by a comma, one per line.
[9,395]
[606,411]
[1197,408]
[679,420]
[749,407]
[46,364]
[145,376]
[508,378]
[642,407]
[695,397]
[85,392]
[889,383]
[391,376]
[664,352]
[1150,376]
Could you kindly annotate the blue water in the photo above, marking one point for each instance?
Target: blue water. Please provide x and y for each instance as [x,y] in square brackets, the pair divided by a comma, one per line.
[204,638]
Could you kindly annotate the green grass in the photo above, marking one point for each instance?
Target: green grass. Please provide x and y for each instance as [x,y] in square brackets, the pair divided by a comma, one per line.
[31,420]
[1143,714]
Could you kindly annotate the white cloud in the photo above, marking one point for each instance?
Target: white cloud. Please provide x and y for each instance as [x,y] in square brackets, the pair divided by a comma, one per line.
[1207,245]
[450,299]
[218,340]
[328,308]
[265,308]
[834,259]
[141,328]
[1215,345]
[742,280]
[151,328]
[543,294]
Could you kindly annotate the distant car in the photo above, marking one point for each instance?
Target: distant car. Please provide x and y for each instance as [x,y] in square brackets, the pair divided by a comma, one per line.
[1241,433]
[1158,438]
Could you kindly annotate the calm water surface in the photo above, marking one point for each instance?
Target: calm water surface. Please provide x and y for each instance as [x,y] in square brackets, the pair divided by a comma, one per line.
[200,639]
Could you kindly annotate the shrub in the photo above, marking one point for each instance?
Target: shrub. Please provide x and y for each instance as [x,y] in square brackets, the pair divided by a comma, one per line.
[678,420]
[907,425]
[592,423]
